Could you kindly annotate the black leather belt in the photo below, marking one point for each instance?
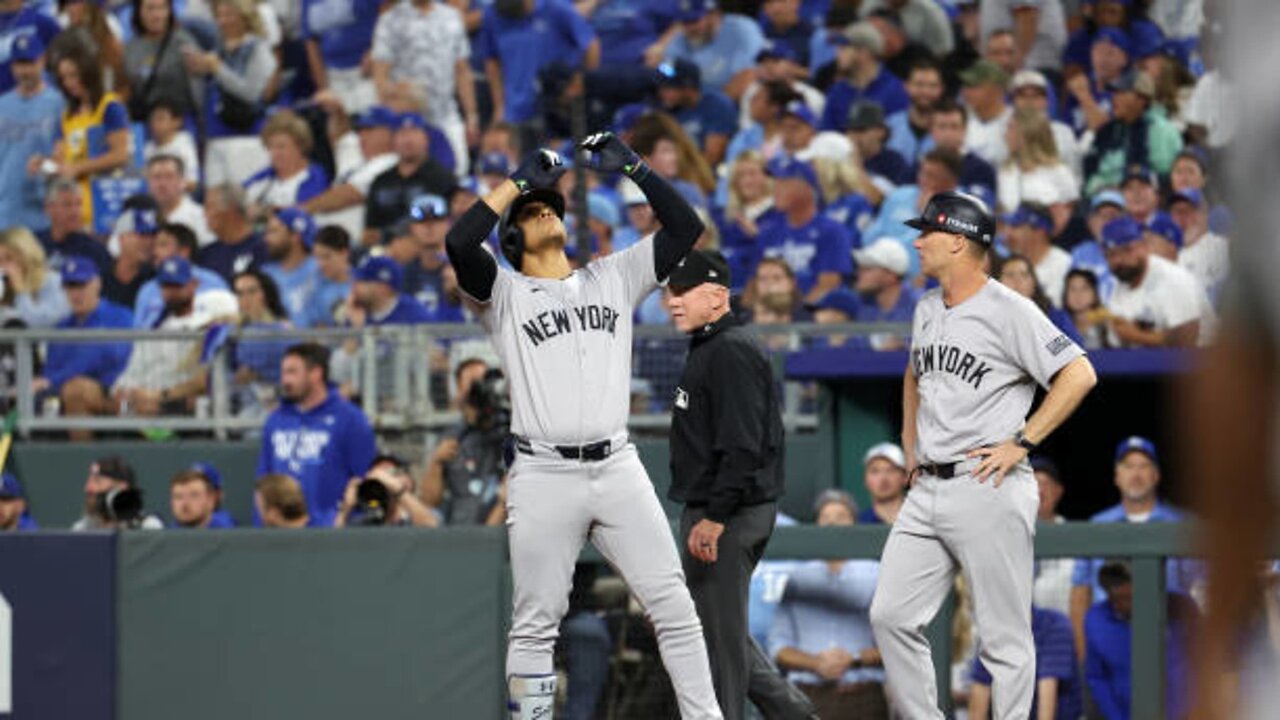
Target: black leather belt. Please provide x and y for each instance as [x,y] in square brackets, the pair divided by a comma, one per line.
[591,452]
[944,471]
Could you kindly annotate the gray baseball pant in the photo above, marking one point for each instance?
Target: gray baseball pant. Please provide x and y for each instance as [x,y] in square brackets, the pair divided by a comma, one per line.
[987,533]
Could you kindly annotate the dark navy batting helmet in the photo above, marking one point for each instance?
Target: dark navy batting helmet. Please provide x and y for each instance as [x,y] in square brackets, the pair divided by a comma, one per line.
[510,235]
[959,213]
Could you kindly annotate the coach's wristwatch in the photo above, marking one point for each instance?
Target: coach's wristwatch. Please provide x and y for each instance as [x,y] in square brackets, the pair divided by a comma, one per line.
[1021,441]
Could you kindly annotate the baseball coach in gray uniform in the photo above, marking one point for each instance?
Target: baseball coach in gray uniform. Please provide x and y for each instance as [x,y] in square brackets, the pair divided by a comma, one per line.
[978,350]
[564,339]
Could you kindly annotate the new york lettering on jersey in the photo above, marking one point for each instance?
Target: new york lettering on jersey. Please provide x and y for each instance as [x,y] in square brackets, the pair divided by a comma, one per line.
[550,323]
[951,359]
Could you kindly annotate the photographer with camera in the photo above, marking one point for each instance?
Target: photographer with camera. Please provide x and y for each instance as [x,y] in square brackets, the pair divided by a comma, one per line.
[384,496]
[466,469]
[112,499]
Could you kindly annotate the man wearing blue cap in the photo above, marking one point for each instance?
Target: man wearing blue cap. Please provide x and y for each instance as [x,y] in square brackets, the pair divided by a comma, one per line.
[172,240]
[428,277]
[193,500]
[707,116]
[17,20]
[13,506]
[290,235]
[1156,303]
[415,173]
[135,233]
[1164,237]
[343,203]
[783,24]
[377,297]
[1031,235]
[723,45]
[815,247]
[1137,477]
[221,518]
[28,122]
[1205,253]
[77,373]
[1088,255]
[1134,134]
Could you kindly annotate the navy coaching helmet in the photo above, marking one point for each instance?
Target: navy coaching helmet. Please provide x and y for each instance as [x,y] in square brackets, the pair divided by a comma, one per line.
[510,236]
[959,213]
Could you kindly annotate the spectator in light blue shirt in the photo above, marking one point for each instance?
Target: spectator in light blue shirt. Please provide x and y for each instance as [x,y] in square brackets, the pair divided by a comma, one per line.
[909,128]
[724,46]
[821,635]
[13,506]
[1137,475]
[290,235]
[28,125]
[333,260]
[883,297]
[172,239]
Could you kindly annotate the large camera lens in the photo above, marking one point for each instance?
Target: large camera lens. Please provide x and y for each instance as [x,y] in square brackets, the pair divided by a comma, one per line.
[372,501]
[121,505]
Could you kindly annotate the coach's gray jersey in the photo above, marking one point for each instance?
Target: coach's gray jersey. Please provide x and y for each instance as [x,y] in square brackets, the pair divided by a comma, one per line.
[976,365]
[565,345]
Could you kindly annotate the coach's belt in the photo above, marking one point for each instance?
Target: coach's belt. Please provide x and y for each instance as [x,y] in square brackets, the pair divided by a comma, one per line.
[946,471]
[591,452]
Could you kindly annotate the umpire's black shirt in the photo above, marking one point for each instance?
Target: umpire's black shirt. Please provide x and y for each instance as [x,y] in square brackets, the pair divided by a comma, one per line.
[726,426]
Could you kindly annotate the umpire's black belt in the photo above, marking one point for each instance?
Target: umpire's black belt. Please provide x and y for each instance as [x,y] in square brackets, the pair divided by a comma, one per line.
[591,452]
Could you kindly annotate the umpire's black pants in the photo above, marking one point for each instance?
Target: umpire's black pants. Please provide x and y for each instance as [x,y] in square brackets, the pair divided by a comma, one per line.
[739,668]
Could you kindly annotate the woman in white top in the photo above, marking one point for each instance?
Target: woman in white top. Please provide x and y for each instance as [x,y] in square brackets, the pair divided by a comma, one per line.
[1034,171]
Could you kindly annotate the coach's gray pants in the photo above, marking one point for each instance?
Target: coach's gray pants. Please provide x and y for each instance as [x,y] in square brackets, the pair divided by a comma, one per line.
[988,532]
[739,668]
[553,507]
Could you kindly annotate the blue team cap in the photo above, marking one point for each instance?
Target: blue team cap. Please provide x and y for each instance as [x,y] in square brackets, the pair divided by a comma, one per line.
[145,221]
[1163,225]
[1190,195]
[175,271]
[1027,216]
[679,73]
[298,221]
[378,116]
[1120,232]
[411,120]
[78,270]
[380,269]
[1105,198]
[1147,40]
[777,50]
[783,167]
[799,110]
[694,10]
[627,116]
[26,48]
[10,488]
[1138,171]
[428,207]
[209,471]
[840,299]
[1135,443]
[1116,37]
[494,163]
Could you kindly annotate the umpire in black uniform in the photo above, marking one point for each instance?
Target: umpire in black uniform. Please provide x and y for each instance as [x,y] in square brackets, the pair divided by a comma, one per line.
[726,468]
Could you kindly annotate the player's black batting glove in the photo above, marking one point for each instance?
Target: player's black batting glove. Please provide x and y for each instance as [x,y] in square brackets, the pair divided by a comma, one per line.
[539,170]
[606,153]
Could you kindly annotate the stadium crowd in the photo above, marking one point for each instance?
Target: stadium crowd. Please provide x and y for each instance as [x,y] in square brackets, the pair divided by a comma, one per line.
[295,164]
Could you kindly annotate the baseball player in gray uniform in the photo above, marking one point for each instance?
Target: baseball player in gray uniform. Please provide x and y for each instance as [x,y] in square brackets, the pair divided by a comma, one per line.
[563,337]
[978,350]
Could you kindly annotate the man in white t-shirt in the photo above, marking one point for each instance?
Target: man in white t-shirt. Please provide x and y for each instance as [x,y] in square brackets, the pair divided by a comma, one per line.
[1039,29]
[343,203]
[1030,235]
[989,113]
[1155,303]
[1207,255]
[166,184]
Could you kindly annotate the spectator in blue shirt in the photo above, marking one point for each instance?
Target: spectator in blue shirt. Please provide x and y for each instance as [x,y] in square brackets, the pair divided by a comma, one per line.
[909,128]
[817,248]
[315,436]
[338,35]
[627,28]
[723,45]
[784,23]
[290,234]
[81,374]
[707,116]
[221,518]
[518,39]
[193,501]
[821,635]
[1057,692]
[1109,16]
[434,284]
[868,132]
[28,125]
[333,260]
[377,298]
[172,240]
[1109,636]
[883,296]
[64,234]
[13,506]
[885,475]
[237,247]
[1137,475]
[19,21]
[862,77]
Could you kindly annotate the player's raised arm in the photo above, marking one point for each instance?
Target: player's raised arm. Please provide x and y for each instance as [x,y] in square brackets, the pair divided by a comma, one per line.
[681,227]
[475,267]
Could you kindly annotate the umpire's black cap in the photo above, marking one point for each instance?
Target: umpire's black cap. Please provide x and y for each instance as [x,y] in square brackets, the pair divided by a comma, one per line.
[700,266]
[959,213]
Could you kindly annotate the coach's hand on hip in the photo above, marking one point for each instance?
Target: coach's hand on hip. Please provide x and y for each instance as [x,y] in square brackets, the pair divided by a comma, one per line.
[704,540]
[997,460]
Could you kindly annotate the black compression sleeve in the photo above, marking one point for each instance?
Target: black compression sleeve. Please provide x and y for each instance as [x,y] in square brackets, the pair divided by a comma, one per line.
[475,267]
[681,226]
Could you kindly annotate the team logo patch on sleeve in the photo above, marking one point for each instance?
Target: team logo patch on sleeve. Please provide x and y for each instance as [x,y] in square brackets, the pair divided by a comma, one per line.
[1058,344]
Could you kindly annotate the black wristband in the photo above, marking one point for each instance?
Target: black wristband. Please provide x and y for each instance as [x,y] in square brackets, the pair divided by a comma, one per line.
[1021,440]
[636,172]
